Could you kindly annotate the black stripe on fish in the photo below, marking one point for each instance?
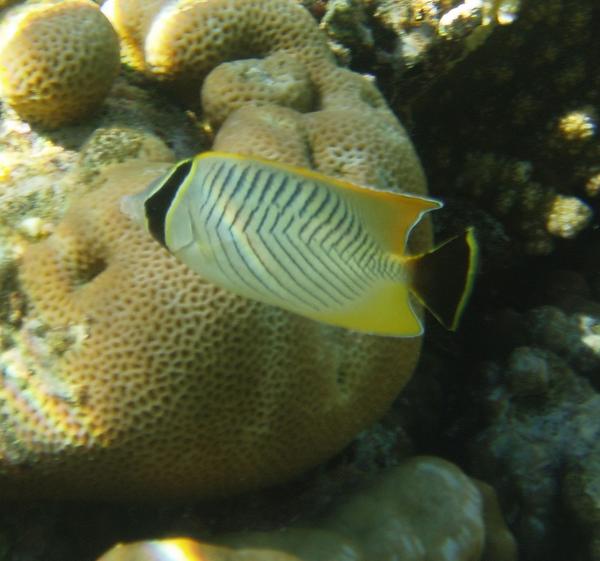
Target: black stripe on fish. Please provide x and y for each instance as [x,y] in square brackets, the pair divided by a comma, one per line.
[317,273]
[157,205]
[301,272]
[308,200]
[236,270]
[318,225]
[306,246]
[259,204]
[208,177]
[293,196]
[242,205]
[217,198]
[353,240]
[294,279]
[230,199]
[282,187]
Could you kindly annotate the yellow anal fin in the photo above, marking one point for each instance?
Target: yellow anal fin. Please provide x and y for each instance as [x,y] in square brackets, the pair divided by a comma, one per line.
[385,310]
[442,279]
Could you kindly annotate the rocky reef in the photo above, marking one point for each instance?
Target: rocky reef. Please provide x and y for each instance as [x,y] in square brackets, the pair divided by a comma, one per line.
[125,376]
[534,435]
[425,508]
[534,170]
[460,71]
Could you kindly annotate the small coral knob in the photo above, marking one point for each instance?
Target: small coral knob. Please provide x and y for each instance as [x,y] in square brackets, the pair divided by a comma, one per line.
[58,60]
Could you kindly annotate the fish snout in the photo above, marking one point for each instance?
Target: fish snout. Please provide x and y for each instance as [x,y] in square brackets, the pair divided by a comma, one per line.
[132,206]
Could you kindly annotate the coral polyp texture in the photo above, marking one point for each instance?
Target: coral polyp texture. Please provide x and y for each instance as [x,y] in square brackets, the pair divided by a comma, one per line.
[279,79]
[337,120]
[58,60]
[341,125]
[186,39]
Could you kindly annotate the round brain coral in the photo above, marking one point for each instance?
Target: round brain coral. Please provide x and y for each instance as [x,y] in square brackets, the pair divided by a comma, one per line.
[161,384]
[58,60]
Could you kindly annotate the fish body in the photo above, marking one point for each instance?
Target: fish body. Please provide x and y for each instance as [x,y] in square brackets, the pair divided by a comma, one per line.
[312,244]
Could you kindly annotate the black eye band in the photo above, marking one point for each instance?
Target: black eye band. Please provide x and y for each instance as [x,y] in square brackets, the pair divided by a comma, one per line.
[158,204]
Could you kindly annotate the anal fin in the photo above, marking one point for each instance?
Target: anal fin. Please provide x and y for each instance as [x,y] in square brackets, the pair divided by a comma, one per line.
[385,310]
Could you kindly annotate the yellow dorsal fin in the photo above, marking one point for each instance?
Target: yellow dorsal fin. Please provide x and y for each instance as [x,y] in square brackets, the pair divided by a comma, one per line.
[388,216]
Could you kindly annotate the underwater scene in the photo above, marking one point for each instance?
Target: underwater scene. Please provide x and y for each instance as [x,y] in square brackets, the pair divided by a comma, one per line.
[299,280]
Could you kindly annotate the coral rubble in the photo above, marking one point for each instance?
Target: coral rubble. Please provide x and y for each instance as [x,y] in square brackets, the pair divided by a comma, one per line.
[542,428]
[536,436]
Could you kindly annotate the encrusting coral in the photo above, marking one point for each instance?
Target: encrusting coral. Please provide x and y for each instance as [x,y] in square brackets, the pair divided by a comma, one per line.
[149,381]
[126,376]
[278,79]
[58,60]
[528,209]
[116,144]
[541,432]
[425,508]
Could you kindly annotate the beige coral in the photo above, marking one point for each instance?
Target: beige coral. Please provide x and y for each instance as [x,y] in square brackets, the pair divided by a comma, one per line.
[279,79]
[269,131]
[348,130]
[163,385]
[186,39]
[367,146]
[58,60]
[426,508]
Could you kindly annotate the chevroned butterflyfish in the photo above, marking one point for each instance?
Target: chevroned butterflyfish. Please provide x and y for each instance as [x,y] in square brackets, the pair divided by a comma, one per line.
[312,244]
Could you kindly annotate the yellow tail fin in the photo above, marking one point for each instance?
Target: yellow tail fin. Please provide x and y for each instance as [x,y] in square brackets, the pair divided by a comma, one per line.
[442,279]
